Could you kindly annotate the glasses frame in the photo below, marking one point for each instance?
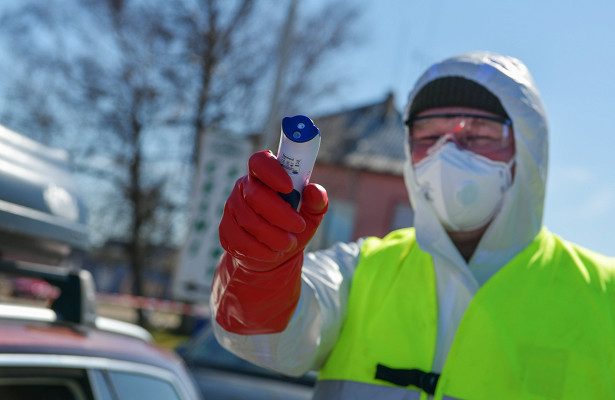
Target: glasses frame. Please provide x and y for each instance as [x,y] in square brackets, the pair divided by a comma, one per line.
[503,121]
[421,153]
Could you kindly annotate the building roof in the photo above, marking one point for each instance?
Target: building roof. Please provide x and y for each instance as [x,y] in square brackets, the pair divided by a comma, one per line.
[369,138]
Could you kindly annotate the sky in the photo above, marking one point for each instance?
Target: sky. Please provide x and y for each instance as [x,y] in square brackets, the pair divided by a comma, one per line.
[569,47]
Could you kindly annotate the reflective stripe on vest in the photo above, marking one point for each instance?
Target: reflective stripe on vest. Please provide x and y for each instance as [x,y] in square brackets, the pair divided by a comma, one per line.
[542,327]
[335,389]
[330,389]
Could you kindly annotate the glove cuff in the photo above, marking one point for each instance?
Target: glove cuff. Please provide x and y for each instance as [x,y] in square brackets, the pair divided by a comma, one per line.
[249,302]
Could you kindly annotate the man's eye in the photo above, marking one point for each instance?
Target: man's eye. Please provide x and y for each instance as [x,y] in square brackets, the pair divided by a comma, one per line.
[479,138]
[480,141]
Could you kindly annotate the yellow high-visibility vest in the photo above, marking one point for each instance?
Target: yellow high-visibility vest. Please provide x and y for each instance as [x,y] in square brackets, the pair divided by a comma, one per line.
[543,327]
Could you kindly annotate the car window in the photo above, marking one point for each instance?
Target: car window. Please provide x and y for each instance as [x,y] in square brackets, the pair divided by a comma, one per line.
[19,383]
[129,386]
[100,385]
[37,389]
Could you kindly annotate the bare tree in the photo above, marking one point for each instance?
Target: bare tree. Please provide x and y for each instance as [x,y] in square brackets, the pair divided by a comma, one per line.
[138,87]
[120,87]
[216,43]
[308,40]
[131,87]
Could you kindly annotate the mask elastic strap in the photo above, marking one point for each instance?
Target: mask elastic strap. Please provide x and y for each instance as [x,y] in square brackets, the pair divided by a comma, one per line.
[509,166]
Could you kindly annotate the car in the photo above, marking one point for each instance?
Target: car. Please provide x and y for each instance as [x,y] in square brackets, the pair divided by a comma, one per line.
[220,375]
[32,288]
[68,352]
[62,349]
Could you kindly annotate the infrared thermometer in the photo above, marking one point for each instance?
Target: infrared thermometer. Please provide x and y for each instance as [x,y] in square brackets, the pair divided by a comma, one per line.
[299,144]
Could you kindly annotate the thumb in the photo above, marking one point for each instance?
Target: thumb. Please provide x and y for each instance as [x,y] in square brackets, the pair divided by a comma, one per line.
[314,199]
[314,205]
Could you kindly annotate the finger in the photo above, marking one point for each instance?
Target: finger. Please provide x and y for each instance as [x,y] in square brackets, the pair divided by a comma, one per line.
[268,204]
[265,166]
[268,234]
[242,245]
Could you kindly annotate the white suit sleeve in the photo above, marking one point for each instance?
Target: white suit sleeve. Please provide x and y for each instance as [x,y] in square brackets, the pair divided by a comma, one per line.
[312,332]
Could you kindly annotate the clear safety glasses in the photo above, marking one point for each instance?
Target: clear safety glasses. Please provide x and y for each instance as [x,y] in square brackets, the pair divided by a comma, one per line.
[477,133]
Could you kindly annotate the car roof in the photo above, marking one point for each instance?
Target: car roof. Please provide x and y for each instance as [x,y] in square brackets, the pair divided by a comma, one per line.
[19,336]
[24,312]
[32,336]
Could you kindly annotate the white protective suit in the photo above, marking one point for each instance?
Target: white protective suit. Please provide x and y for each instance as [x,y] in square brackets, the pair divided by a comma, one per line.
[327,275]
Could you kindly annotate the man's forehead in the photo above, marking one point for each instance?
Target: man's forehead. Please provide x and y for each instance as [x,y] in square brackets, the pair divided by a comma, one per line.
[456,110]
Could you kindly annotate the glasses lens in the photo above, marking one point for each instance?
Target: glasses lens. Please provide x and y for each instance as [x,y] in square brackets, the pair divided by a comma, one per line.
[472,132]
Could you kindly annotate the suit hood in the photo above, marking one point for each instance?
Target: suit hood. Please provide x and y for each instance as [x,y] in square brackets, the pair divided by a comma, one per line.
[520,217]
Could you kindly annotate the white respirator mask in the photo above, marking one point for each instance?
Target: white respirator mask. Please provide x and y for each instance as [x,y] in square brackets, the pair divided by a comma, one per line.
[465,189]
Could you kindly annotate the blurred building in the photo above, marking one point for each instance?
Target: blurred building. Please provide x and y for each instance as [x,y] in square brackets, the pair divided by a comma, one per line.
[360,163]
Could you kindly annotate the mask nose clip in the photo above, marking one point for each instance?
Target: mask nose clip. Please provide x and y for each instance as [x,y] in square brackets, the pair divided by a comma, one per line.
[451,136]
[458,127]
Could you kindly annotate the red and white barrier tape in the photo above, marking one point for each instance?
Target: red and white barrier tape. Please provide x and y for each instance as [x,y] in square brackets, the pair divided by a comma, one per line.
[153,304]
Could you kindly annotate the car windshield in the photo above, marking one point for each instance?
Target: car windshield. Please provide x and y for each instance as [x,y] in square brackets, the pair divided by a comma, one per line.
[206,351]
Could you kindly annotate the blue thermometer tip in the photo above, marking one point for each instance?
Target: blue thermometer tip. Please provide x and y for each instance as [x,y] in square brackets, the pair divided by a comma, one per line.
[299,128]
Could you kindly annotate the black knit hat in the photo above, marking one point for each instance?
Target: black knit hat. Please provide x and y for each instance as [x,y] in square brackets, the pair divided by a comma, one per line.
[455,91]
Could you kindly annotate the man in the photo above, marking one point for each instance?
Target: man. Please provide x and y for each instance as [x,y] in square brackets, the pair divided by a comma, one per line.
[478,301]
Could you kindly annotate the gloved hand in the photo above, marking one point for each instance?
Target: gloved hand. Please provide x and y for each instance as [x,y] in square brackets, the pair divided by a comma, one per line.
[258,280]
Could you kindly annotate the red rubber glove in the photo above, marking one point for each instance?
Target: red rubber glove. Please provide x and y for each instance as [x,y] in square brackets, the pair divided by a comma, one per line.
[258,279]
